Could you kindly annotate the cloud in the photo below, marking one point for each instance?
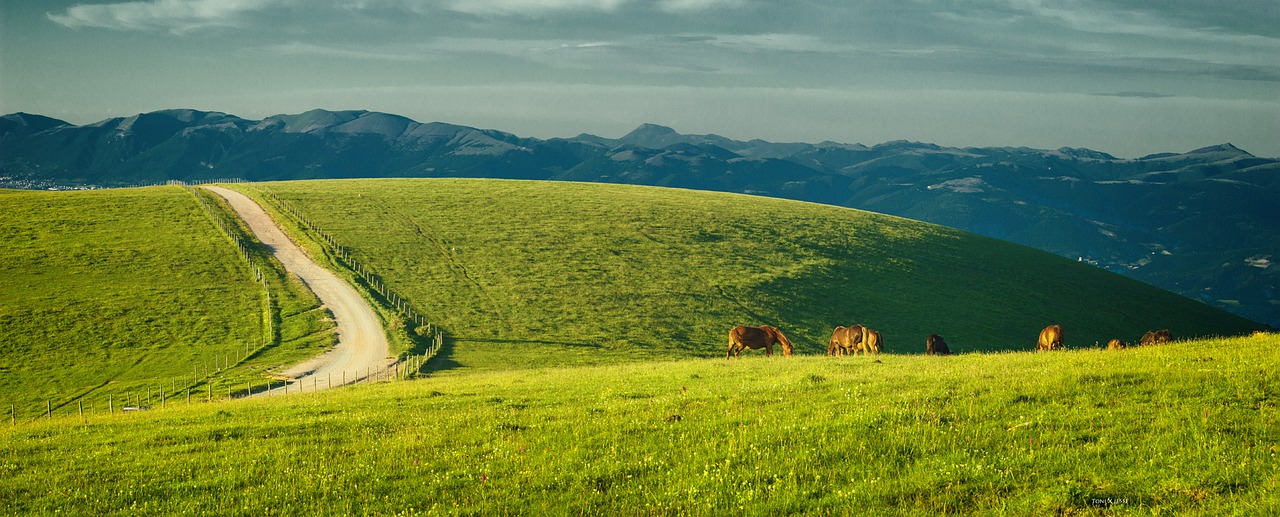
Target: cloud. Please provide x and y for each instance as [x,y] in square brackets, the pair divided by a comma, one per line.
[686,6]
[517,7]
[175,16]
[782,42]
[349,52]
[1135,95]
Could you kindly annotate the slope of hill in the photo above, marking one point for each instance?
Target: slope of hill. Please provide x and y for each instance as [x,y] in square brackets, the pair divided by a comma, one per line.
[1200,223]
[116,291]
[1181,429]
[546,273]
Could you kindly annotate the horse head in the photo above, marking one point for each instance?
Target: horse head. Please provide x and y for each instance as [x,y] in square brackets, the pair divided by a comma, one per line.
[781,339]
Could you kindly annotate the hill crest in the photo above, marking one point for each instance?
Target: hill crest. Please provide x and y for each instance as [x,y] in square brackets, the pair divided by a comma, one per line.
[1171,219]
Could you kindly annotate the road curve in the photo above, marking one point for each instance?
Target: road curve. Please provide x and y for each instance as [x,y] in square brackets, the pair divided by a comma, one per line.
[362,344]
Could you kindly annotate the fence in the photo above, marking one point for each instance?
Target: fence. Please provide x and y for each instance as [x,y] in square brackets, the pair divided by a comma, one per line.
[211,386]
[344,257]
[232,231]
[156,396]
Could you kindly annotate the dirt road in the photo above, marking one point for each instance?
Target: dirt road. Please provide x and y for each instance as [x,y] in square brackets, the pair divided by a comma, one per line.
[362,345]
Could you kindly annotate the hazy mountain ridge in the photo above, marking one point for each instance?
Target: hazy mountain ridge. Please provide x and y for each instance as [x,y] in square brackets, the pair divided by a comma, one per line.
[1201,223]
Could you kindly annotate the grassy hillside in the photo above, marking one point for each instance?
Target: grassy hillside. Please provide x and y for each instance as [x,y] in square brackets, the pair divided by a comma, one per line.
[526,274]
[1186,428]
[108,292]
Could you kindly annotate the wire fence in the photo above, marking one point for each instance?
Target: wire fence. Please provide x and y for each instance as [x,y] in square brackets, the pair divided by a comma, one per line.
[209,388]
[233,231]
[209,381]
[344,257]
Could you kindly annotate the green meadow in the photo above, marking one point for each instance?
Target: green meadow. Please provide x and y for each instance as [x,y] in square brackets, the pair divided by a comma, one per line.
[106,294]
[1182,429]
[532,274]
[583,371]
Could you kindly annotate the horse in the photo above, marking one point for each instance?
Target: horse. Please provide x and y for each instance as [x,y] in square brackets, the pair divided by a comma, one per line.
[756,338]
[872,343]
[838,337]
[845,340]
[1050,338]
[1156,337]
[935,345]
[1115,344]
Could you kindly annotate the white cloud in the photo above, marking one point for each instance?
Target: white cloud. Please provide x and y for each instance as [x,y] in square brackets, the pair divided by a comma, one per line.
[510,7]
[171,15]
[777,42]
[349,52]
[1093,18]
[685,6]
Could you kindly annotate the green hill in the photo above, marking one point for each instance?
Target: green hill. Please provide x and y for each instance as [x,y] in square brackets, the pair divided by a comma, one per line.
[525,274]
[1182,429]
[117,291]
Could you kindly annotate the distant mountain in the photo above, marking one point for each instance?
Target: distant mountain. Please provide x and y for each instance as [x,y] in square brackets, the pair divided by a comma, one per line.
[1201,223]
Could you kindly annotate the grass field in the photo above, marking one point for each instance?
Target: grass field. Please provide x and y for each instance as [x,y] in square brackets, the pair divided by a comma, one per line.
[104,293]
[1186,428]
[532,274]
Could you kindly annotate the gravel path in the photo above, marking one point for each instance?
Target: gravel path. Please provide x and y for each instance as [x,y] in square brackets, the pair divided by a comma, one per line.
[362,345]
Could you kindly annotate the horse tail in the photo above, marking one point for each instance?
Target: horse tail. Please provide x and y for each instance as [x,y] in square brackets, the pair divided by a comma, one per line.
[732,342]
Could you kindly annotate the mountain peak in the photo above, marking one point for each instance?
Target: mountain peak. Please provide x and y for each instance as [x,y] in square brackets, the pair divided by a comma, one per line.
[313,120]
[652,136]
[1226,148]
[28,123]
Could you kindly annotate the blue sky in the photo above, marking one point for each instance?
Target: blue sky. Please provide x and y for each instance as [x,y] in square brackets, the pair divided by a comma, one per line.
[1127,77]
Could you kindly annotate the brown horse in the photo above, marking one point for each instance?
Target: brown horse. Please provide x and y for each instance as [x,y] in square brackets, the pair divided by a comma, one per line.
[845,340]
[1050,338]
[1156,337]
[872,343]
[935,345]
[756,338]
[838,337]
[1115,344]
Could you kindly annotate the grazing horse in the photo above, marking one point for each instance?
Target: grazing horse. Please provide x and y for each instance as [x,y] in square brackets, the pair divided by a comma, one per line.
[836,344]
[935,345]
[1050,338]
[845,340]
[872,343]
[1115,344]
[1156,337]
[756,338]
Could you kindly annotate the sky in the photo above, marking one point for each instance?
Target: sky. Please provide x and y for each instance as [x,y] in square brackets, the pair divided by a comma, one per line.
[1128,77]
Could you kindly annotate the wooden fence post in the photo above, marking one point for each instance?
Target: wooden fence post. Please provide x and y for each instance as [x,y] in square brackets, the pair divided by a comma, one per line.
[80,404]
[48,408]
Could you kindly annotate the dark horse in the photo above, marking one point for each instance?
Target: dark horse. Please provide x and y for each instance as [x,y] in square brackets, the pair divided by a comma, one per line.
[1156,337]
[935,345]
[756,338]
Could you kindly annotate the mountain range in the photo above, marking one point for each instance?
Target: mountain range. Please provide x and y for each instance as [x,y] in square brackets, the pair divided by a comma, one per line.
[1202,223]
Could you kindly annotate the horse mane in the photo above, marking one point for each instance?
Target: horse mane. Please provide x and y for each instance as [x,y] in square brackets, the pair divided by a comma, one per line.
[782,338]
